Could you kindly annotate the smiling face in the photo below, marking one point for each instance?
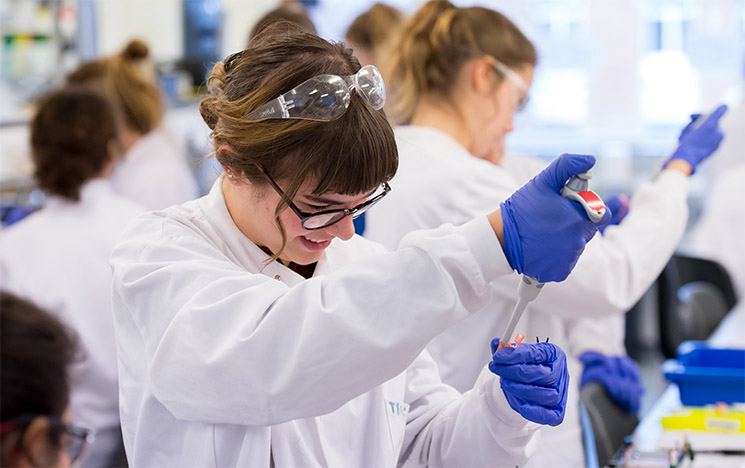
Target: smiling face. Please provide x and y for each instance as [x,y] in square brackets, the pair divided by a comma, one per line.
[252,209]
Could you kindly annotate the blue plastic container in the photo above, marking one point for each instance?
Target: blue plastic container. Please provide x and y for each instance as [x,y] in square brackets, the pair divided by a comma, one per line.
[707,375]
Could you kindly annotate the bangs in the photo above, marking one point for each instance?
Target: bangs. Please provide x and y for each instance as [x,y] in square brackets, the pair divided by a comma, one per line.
[351,155]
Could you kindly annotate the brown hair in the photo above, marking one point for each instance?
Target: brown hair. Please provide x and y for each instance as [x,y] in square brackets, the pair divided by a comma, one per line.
[350,155]
[438,40]
[135,98]
[70,139]
[36,351]
[291,12]
[374,28]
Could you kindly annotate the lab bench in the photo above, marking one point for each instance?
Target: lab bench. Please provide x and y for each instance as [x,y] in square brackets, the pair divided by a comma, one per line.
[650,435]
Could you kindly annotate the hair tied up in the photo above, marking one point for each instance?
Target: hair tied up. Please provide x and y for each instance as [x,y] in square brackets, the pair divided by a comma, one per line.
[135,50]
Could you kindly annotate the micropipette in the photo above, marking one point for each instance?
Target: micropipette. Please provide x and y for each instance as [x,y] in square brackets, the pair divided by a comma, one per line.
[576,189]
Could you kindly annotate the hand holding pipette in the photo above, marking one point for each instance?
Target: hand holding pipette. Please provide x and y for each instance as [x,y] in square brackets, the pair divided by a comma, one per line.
[543,262]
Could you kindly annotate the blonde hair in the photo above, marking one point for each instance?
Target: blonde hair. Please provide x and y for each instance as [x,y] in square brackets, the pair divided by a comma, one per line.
[350,155]
[374,29]
[134,97]
[435,43]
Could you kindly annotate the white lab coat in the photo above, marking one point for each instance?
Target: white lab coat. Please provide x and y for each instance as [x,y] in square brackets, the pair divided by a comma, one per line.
[439,181]
[155,173]
[58,258]
[227,361]
[720,231]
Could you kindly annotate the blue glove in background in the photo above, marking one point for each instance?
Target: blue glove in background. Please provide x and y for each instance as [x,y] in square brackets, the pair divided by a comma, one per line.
[696,144]
[618,374]
[534,379]
[687,129]
[545,233]
[619,207]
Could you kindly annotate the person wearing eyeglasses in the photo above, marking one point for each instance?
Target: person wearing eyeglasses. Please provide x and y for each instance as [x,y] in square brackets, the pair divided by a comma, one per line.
[36,352]
[254,328]
[457,77]
[59,255]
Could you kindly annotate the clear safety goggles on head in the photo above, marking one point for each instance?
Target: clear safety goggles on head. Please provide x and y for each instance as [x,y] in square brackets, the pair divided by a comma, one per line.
[517,82]
[325,97]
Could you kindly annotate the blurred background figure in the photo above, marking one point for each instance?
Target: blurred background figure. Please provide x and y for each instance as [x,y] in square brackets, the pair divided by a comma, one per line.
[154,171]
[718,235]
[456,79]
[35,353]
[59,256]
[291,11]
[370,34]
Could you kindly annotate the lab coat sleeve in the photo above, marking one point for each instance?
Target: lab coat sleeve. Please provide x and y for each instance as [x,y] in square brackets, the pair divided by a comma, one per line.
[602,334]
[477,428]
[617,268]
[228,346]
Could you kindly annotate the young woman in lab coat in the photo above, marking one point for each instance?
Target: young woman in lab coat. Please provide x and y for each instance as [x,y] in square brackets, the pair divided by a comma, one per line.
[58,256]
[255,329]
[154,171]
[457,76]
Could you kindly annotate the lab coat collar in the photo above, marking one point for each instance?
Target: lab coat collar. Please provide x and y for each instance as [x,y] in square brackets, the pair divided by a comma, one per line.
[91,191]
[249,255]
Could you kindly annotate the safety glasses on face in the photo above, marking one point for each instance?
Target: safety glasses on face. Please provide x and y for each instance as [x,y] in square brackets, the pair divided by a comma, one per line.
[324,97]
[76,438]
[325,218]
[517,82]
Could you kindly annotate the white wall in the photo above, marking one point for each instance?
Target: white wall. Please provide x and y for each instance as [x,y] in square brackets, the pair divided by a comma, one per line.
[158,22]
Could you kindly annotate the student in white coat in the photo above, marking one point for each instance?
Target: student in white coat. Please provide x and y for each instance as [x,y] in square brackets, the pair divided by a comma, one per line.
[154,171]
[36,352]
[457,75]
[58,256]
[255,329]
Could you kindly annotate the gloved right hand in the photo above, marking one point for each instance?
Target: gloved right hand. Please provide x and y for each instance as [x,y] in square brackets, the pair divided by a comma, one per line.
[543,232]
[696,144]
[619,207]
[534,379]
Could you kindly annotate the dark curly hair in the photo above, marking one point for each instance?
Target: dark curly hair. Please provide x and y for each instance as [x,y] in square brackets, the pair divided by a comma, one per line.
[70,139]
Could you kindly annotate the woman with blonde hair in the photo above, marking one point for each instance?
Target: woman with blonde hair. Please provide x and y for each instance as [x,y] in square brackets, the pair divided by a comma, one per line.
[370,33]
[255,329]
[456,77]
[154,171]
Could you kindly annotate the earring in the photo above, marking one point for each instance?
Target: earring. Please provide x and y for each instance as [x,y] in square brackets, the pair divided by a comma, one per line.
[230,176]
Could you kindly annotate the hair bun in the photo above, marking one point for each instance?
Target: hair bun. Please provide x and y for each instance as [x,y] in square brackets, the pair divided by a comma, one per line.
[135,50]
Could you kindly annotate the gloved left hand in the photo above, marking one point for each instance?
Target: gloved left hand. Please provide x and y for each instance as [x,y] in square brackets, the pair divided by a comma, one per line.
[619,207]
[618,374]
[534,379]
[696,144]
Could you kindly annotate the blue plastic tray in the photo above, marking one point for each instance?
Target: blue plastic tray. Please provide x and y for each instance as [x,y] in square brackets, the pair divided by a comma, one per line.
[707,375]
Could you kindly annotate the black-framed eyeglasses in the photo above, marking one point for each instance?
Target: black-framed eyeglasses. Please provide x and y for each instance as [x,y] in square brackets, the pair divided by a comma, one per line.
[326,218]
[76,440]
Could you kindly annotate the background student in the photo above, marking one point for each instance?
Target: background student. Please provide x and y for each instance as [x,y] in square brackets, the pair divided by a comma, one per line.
[36,351]
[154,172]
[59,256]
[456,77]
